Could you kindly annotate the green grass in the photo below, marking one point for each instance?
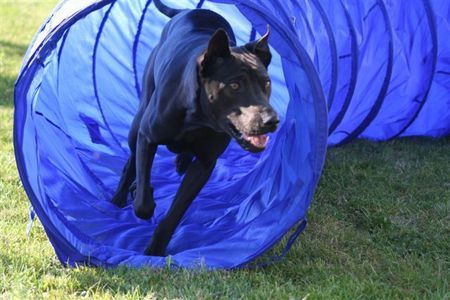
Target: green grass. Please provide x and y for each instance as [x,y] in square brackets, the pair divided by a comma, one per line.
[378,225]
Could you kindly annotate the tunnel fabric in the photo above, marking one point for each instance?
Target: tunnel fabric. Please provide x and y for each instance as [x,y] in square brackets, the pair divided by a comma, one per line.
[380,72]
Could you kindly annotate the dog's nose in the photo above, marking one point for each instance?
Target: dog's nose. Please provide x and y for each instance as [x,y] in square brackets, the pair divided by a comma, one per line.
[270,119]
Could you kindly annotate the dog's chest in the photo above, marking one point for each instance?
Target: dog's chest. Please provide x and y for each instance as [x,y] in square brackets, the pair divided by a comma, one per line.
[196,141]
[189,139]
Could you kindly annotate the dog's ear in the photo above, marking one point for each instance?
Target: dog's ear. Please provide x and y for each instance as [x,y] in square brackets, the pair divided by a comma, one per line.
[218,46]
[261,48]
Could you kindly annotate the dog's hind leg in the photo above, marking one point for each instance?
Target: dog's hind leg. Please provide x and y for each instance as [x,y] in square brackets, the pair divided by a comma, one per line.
[129,171]
[127,182]
[182,162]
[127,178]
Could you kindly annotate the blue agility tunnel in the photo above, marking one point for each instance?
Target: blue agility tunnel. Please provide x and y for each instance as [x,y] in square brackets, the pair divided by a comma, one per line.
[381,69]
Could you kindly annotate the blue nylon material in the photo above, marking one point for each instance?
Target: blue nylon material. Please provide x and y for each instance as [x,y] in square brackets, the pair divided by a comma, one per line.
[79,87]
[374,110]
[413,55]
[373,39]
[434,116]
[347,74]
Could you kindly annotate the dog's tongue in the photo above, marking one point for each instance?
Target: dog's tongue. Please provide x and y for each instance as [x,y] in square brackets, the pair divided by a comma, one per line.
[259,141]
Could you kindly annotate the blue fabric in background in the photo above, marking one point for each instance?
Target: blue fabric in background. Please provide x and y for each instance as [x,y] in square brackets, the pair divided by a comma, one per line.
[381,68]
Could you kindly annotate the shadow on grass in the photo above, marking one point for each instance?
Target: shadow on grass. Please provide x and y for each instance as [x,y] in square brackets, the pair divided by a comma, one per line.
[7,90]
[11,51]
[13,48]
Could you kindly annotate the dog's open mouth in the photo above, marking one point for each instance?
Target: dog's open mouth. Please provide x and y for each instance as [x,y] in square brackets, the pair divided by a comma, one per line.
[259,141]
[252,143]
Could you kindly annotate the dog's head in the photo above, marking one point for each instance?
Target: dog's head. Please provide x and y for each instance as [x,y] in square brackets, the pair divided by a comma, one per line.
[237,89]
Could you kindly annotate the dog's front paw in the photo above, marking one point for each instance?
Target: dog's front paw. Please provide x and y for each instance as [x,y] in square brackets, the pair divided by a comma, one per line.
[157,247]
[145,212]
[144,204]
[159,242]
[154,252]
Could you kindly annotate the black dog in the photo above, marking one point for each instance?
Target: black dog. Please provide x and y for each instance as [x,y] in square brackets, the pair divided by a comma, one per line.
[198,93]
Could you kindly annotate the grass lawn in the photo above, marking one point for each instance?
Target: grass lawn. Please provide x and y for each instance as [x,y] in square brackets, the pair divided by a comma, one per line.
[378,225]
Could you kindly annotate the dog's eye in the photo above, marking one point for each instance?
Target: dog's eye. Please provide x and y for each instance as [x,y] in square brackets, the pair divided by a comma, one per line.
[234,86]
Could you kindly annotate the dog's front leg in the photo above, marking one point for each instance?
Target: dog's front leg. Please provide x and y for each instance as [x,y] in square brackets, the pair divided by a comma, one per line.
[144,204]
[196,176]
